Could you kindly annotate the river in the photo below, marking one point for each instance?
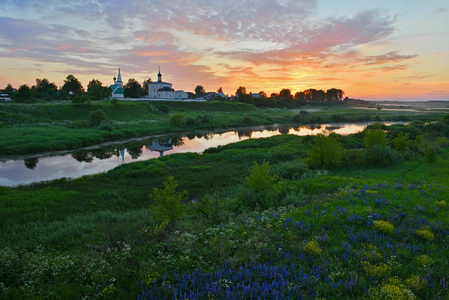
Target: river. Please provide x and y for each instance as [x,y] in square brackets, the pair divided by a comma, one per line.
[101,158]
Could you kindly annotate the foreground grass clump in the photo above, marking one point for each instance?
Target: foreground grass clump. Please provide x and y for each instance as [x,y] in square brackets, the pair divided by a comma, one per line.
[383,226]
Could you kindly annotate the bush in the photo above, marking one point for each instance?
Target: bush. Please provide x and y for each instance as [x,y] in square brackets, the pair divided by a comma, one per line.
[325,152]
[167,203]
[398,129]
[190,122]
[353,158]
[384,226]
[293,169]
[381,156]
[163,108]
[79,124]
[247,120]
[261,189]
[431,153]
[81,100]
[312,248]
[375,137]
[106,126]
[177,119]
[97,117]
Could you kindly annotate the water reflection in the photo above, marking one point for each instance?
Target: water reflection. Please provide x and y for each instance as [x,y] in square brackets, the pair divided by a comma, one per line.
[108,156]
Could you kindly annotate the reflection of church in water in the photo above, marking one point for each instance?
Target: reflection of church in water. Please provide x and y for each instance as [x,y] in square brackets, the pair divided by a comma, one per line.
[161,147]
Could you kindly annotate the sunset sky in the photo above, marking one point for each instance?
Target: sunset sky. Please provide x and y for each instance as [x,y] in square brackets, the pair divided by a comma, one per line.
[375,50]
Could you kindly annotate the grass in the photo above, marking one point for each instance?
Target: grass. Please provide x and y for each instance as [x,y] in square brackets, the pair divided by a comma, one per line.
[345,233]
[46,126]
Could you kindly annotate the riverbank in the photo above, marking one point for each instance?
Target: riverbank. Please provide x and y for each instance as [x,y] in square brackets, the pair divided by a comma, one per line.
[98,236]
[50,126]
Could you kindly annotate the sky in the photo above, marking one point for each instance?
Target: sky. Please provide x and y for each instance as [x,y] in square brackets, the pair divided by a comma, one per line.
[373,50]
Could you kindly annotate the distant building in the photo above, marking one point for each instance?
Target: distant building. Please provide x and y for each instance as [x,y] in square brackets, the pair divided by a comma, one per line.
[210,96]
[255,96]
[4,97]
[164,90]
[117,87]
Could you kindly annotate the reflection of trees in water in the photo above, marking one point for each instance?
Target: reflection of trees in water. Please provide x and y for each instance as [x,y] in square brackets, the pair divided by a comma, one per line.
[191,135]
[104,153]
[135,152]
[284,129]
[245,133]
[31,162]
[297,129]
[176,141]
[312,126]
[83,156]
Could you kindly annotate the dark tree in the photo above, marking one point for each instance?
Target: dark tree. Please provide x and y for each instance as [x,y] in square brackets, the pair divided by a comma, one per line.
[334,95]
[72,87]
[286,95]
[263,94]
[240,91]
[44,89]
[98,92]
[300,97]
[200,91]
[9,89]
[31,163]
[24,94]
[92,83]
[132,89]
[145,86]
[220,90]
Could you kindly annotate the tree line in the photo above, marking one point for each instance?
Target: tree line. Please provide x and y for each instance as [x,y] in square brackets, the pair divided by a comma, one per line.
[71,89]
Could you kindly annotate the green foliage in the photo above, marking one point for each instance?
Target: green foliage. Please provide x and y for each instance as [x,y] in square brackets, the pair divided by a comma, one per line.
[431,153]
[79,124]
[425,233]
[177,119]
[381,156]
[81,100]
[72,87]
[261,188]
[293,169]
[325,153]
[24,94]
[402,142]
[132,89]
[167,203]
[384,226]
[391,288]
[376,137]
[354,158]
[97,117]
[163,108]
[312,248]
[115,102]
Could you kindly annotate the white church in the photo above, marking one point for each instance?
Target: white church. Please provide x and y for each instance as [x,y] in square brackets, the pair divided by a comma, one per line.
[117,87]
[164,90]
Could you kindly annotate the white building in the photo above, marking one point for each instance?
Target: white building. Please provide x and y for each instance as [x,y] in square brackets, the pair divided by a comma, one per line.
[164,90]
[117,87]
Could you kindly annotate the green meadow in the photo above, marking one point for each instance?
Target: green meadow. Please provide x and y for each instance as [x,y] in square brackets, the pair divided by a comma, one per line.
[326,217]
[47,126]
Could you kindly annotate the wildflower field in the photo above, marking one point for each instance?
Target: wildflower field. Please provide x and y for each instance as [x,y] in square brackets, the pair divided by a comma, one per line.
[259,219]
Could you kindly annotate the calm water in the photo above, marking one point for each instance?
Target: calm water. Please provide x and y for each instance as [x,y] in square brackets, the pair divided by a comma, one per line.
[101,158]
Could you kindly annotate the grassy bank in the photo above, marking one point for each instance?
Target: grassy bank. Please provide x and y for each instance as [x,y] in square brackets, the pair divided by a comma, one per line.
[347,232]
[58,126]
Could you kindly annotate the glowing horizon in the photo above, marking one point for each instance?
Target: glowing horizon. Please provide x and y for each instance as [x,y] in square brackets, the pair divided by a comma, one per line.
[387,50]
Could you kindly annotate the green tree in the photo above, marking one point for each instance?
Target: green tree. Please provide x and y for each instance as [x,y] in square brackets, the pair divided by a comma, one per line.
[45,89]
[375,137]
[92,83]
[132,89]
[9,90]
[98,92]
[167,203]
[262,189]
[97,117]
[285,95]
[200,91]
[333,95]
[72,87]
[145,86]
[325,152]
[24,94]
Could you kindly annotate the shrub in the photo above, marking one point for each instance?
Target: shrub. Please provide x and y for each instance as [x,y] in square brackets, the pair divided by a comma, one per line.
[190,122]
[401,142]
[261,189]
[381,156]
[325,152]
[114,101]
[167,203]
[81,100]
[293,169]
[353,158]
[376,271]
[97,117]
[424,261]
[375,137]
[399,129]
[431,153]
[79,124]
[177,119]
[393,289]
[163,108]
[416,283]
[384,226]
[425,233]
[247,120]
[312,248]
[106,126]
[297,118]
